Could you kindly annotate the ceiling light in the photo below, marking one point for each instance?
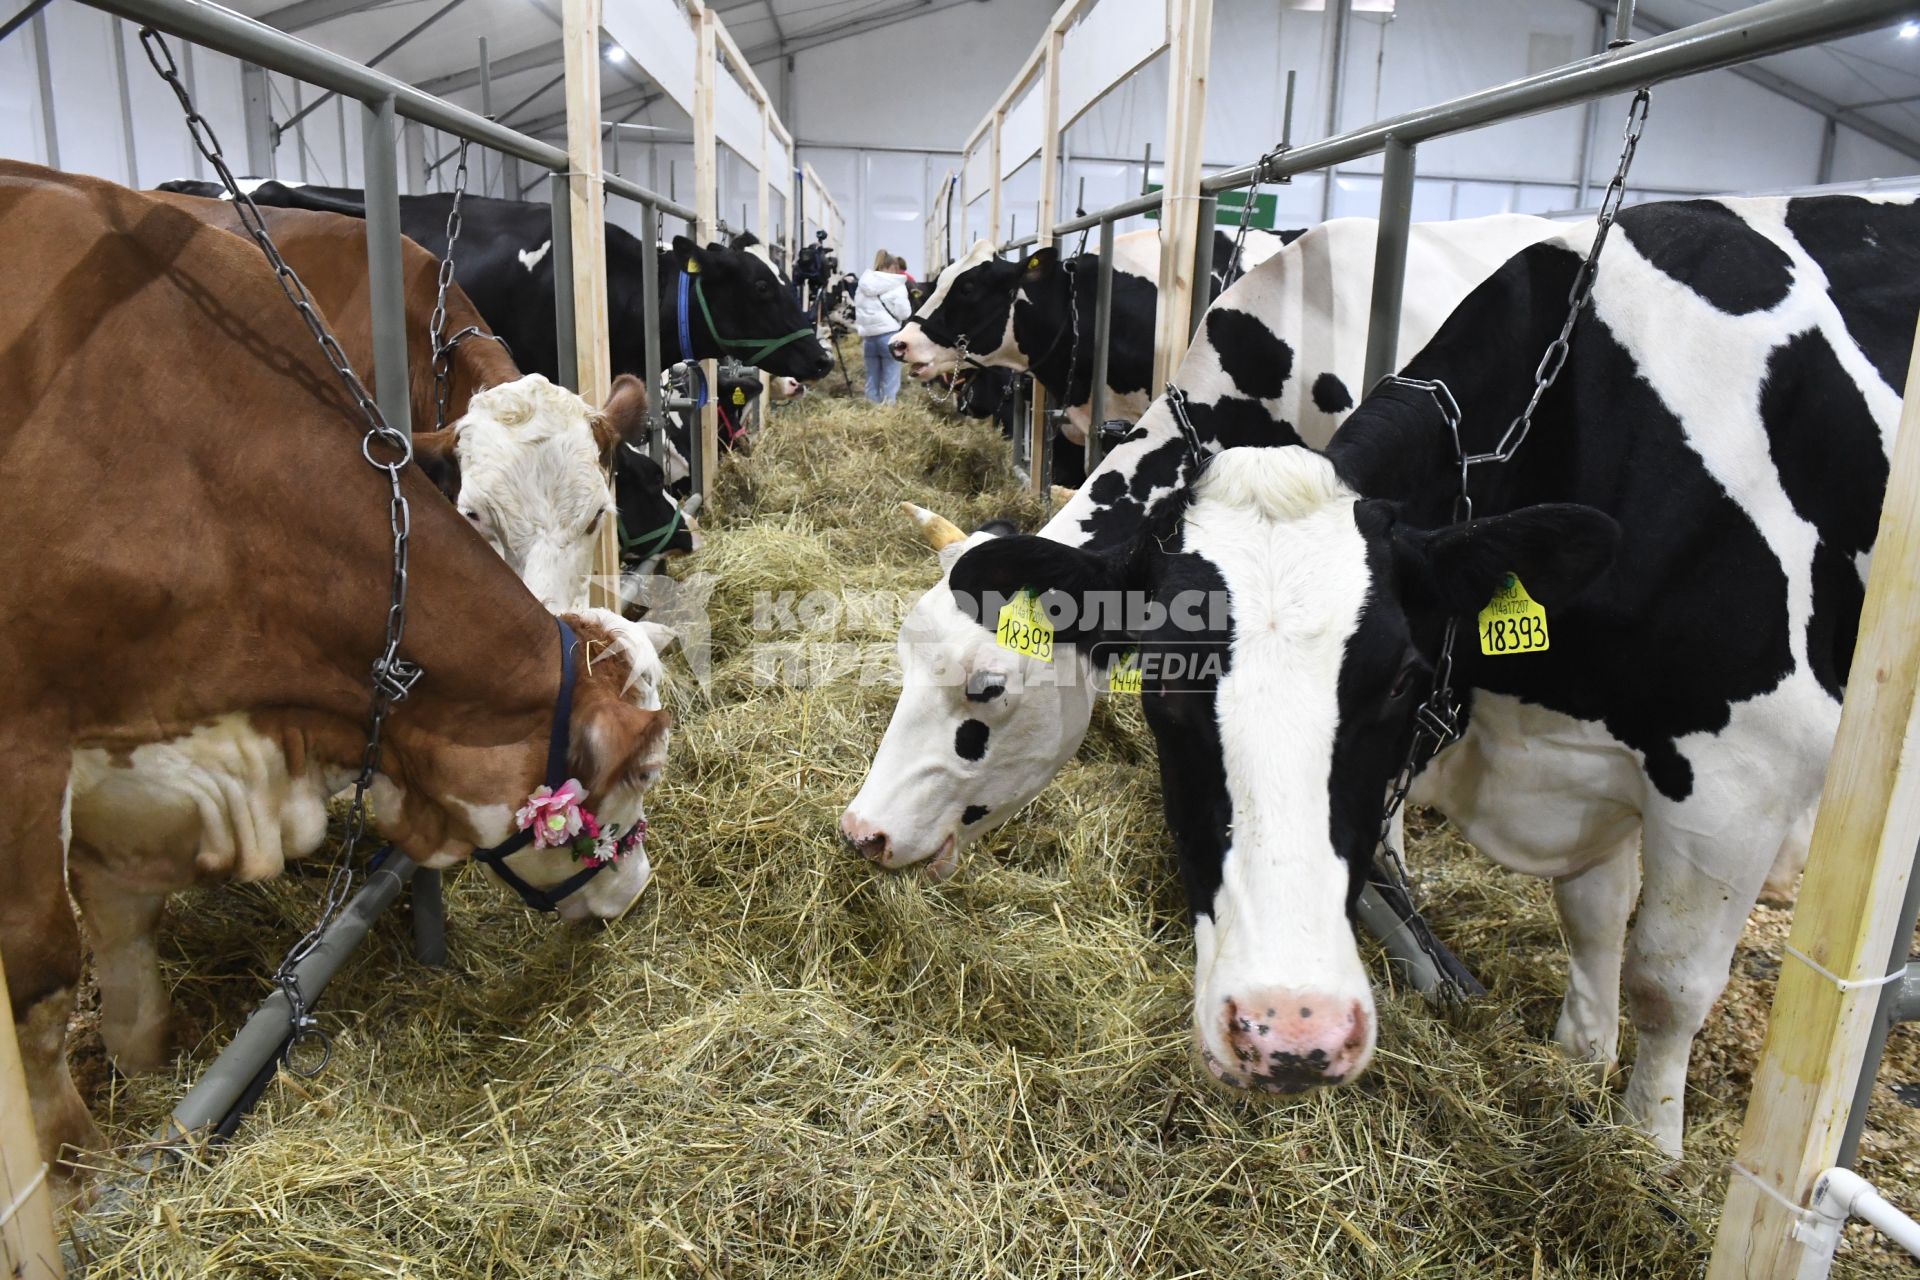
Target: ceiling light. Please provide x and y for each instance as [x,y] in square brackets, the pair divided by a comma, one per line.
[1910,30]
[616,54]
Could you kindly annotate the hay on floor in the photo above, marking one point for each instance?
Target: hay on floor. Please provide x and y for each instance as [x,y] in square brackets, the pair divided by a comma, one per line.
[784,1064]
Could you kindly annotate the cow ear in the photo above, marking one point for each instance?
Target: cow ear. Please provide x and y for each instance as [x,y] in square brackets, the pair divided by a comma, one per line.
[624,417]
[687,254]
[714,246]
[1041,263]
[1068,580]
[438,456]
[1556,550]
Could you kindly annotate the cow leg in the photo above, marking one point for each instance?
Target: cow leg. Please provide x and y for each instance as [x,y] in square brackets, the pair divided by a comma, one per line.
[136,1014]
[1594,905]
[1700,887]
[40,946]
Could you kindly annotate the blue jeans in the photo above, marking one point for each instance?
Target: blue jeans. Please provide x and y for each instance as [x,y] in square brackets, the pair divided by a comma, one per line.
[883,371]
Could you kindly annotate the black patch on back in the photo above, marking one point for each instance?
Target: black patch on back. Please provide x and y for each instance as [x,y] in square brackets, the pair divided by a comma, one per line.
[972,814]
[1870,253]
[1123,507]
[1253,355]
[1826,448]
[970,741]
[1708,248]
[1330,395]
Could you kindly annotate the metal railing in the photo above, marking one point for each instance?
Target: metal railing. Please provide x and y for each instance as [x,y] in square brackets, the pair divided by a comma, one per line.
[235,1078]
[1774,26]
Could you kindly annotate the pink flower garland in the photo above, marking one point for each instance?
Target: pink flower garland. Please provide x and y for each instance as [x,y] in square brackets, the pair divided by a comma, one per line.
[557,819]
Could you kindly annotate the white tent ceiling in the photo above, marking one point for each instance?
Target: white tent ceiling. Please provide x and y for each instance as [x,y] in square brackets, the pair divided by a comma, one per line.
[1872,81]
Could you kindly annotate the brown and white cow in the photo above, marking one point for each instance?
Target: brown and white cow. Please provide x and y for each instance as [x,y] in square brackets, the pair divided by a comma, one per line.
[179,467]
[524,459]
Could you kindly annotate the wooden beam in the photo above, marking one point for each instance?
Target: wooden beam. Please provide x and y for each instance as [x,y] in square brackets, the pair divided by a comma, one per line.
[1849,903]
[706,207]
[993,178]
[28,1246]
[580,33]
[1190,24]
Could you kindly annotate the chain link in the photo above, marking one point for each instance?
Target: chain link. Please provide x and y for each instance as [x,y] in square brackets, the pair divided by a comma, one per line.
[443,351]
[392,676]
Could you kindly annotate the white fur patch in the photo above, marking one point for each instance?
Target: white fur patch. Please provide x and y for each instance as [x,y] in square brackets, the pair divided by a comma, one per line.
[530,258]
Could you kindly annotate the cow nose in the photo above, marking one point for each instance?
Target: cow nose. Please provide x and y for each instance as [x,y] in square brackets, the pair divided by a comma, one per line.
[871,844]
[899,349]
[1286,1041]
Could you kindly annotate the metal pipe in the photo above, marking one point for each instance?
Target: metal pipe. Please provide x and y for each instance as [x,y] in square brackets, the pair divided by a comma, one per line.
[1829,139]
[650,325]
[486,109]
[561,208]
[631,190]
[1403,949]
[23,17]
[386,281]
[1336,78]
[1885,1014]
[408,38]
[126,101]
[429,902]
[1623,22]
[1390,261]
[1014,246]
[228,32]
[1766,28]
[1102,340]
[1590,123]
[1112,213]
[257,116]
[1208,215]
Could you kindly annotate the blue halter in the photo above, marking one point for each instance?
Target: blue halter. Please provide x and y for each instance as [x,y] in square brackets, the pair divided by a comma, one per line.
[558,744]
[683,314]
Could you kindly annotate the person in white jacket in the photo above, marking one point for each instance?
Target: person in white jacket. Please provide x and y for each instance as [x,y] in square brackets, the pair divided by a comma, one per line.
[880,307]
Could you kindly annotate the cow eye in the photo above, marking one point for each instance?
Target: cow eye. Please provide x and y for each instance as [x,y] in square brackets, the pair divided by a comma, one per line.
[473,516]
[1404,682]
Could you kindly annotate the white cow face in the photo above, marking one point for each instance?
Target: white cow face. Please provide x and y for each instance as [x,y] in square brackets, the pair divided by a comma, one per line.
[532,478]
[978,731]
[973,298]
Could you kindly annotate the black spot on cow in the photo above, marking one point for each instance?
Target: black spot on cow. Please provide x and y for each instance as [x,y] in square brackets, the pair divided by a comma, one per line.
[1826,449]
[972,814]
[1711,251]
[970,741]
[1330,395]
[1123,503]
[1234,423]
[1257,359]
[1870,253]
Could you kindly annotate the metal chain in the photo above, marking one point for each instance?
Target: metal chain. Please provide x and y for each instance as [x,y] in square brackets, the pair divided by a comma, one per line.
[443,351]
[1436,724]
[393,677]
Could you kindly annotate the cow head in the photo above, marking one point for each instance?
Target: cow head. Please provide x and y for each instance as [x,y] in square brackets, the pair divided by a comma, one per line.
[748,304]
[651,521]
[1275,618]
[972,299]
[978,731]
[526,467]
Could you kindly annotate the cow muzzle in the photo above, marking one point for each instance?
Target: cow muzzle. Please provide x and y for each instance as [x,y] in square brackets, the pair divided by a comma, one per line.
[1283,1040]
[877,847]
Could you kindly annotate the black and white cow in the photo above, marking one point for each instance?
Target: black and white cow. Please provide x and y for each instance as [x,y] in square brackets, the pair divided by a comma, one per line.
[505,264]
[1035,313]
[1695,509]
[1275,355]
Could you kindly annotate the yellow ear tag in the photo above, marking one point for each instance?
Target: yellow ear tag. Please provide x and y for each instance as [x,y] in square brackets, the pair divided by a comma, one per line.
[1023,628]
[693,266]
[739,395]
[1033,263]
[1125,676]
[1512,622]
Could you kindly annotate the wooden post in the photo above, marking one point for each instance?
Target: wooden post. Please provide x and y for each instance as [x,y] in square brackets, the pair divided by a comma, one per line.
[1190,31]
[28,1246]
[766,182]
[1849,904]
[993,178]
[580,22]
[1049,204]
[706,203]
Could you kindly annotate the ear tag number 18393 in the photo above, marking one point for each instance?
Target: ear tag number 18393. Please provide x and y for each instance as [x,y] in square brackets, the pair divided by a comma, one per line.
[1512,622]
[1023,627]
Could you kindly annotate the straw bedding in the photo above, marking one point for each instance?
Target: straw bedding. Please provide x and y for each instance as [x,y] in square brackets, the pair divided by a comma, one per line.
[784,1064]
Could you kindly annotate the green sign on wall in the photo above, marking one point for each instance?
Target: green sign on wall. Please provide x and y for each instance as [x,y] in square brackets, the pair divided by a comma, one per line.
[1233,207]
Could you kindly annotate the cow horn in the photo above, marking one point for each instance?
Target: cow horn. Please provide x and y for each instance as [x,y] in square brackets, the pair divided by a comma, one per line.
[1062,495]
[939,531]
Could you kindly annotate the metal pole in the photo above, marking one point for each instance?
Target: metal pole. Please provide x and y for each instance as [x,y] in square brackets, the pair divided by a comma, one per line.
[374,61]
[486,109]
[257,114]
[1209,213]
[1102,340]
[1829,138]
[1884,1017]
[560,204]
[1622,23]
[1390,261]
[126,101]
[650,325]
[387,298]
[1336,77]
[429,904]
